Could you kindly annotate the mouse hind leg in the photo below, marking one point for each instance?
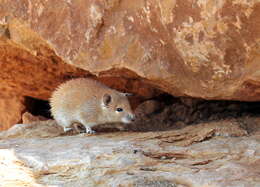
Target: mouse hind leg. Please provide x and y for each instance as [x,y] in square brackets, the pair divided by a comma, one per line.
[85,119]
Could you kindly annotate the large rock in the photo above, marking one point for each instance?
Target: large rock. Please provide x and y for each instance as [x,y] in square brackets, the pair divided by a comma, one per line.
[11,110]
[208,49]
[35,155]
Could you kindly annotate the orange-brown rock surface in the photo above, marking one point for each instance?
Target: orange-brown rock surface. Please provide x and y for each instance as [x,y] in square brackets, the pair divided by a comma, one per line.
[11,109]
[207,49]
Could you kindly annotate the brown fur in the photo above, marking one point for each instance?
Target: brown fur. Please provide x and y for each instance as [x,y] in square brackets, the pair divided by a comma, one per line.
[88,102]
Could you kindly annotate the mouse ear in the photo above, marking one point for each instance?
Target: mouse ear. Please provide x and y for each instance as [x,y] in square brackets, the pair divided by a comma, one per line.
[126,94]
[107,99]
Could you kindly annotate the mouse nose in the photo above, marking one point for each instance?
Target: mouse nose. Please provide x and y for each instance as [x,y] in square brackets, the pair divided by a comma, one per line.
[131,117]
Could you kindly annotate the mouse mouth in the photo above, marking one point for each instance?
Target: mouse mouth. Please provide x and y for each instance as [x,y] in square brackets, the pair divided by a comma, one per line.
[126,120]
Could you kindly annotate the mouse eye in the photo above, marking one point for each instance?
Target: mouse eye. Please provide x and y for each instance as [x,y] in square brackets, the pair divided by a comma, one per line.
[119,110]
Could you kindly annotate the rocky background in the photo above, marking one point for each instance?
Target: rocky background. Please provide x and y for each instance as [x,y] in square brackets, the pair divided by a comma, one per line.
[205,49]
[192,65]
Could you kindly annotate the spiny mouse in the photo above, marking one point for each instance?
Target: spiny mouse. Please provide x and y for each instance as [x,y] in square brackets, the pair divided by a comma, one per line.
[89,102]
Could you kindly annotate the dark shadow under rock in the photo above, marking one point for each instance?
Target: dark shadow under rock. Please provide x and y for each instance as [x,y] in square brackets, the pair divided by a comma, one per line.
[154,115]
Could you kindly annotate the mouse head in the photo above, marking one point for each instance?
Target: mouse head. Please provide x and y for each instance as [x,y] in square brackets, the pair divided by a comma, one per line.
[116,108]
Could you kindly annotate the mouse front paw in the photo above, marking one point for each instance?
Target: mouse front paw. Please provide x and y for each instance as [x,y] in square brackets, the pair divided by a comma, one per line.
[90,131]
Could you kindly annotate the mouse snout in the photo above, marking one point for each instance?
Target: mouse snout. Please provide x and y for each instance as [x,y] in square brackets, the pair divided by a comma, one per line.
[128,118]
[131,117]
